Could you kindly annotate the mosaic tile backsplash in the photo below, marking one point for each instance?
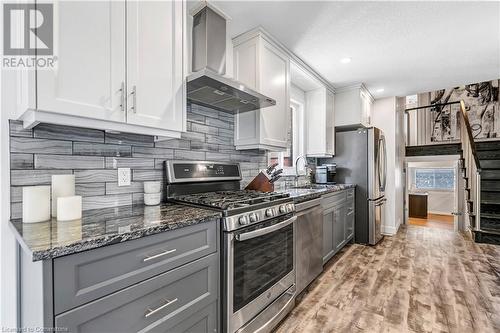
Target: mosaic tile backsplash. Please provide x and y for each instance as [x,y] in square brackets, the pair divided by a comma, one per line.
[94,155]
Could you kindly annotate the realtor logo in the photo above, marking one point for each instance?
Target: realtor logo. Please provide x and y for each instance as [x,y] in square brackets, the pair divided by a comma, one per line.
[28,29]
[28,37]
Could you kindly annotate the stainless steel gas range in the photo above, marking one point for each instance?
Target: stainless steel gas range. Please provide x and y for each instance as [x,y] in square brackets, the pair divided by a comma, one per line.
[258,259]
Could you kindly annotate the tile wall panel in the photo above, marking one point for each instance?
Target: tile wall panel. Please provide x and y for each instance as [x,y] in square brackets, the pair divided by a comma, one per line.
[94,155]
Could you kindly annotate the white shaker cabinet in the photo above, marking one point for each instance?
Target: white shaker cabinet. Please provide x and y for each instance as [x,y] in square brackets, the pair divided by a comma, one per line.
[320,123]
[120,67]
[155,75]
[89,39]
[262,65]
[353,106]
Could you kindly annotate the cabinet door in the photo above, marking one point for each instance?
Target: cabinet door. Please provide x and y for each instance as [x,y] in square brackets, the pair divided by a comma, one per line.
[338,227]
[349,224]
[328,249]
[330,124]
[155,66]
[275,83]
[89,39]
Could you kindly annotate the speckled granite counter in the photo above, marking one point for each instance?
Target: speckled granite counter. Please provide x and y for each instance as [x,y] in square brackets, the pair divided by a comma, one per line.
[101,227]
[315,191]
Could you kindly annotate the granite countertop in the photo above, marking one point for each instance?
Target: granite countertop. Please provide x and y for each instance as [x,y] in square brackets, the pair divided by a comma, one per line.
[101,227]
[314,191]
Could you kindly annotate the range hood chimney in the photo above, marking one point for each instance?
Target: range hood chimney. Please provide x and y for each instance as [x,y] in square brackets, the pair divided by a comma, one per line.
[207,86]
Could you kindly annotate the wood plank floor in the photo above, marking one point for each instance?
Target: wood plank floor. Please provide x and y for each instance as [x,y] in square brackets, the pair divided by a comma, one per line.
[434,221]
[421,280]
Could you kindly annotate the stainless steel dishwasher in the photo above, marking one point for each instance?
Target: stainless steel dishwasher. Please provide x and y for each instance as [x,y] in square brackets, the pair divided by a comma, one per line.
[309,252]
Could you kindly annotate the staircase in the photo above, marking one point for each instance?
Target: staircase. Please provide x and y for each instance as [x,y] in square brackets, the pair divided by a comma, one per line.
[489,224]
[480,170]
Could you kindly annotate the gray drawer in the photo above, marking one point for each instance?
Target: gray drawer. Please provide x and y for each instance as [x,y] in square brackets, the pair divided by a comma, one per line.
[154,305]
[333,199]
[86,276]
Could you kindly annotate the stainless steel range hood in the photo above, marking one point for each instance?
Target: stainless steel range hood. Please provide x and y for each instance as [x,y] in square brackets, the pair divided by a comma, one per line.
[207,86]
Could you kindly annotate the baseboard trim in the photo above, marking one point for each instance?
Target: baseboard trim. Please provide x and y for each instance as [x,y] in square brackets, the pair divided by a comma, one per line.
[389,230]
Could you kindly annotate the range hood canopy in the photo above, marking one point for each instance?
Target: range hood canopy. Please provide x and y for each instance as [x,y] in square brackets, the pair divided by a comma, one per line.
[207,86]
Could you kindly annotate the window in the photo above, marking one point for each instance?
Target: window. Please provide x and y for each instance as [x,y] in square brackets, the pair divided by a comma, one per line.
[295,138]
[411,100]
[435,179]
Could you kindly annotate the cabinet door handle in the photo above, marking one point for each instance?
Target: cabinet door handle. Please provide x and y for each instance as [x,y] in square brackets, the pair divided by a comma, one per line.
[122,96]
[159,255]
[134,99]
[153,311]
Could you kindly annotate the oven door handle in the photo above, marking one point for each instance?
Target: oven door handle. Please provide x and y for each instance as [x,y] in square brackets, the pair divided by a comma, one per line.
[263,231]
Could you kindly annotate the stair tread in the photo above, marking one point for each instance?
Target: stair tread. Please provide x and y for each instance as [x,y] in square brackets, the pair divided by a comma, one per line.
[490,215]
[489,231]
[490,202]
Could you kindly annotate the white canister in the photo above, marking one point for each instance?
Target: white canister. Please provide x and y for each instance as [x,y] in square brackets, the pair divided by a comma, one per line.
[152,187]
[152,199]
[62,186]
[36,204]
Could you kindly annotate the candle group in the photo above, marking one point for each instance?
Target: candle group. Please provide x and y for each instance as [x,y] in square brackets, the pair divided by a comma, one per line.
[65,205]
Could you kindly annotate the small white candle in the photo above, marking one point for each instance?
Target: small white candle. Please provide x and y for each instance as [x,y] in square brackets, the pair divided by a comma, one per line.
[36,204]
[62,186]
[69,208]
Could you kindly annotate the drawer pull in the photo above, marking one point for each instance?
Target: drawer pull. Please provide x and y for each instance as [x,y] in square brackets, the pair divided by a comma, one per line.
[159,255]
[152,312]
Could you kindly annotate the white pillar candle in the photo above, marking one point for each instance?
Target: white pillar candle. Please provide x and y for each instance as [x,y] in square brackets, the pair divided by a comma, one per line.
[69,208]
[36,204]
[62,186]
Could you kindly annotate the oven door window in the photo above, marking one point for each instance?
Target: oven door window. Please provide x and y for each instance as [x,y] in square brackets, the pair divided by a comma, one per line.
[259,263]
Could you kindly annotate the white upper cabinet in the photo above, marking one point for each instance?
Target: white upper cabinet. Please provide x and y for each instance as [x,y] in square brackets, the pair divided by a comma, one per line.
[89,39]
[263,66]
[155,76]
[120,66]
[353,106]
[320,123]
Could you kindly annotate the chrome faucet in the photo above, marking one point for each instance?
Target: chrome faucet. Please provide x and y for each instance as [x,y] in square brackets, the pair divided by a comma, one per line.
[297,169]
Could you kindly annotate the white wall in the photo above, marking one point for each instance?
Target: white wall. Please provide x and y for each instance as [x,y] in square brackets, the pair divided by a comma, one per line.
[389,121]
[8,255]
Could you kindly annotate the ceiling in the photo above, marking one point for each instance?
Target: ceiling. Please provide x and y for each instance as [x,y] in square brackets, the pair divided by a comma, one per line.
[402,47]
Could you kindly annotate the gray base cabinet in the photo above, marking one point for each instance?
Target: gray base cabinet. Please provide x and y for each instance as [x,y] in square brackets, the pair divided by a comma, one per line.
[338,221]
[141,285]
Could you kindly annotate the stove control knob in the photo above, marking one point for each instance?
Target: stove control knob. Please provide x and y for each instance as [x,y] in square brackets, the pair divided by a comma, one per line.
[269,212]
[243,220]
[253,217]
[289,208]
[282,209]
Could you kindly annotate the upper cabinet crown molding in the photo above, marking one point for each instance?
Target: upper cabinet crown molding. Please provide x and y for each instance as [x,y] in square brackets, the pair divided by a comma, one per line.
[109,76]
[360,87]
[259,30]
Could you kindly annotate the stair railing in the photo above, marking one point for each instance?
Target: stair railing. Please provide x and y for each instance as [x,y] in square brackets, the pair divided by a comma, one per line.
[472,166]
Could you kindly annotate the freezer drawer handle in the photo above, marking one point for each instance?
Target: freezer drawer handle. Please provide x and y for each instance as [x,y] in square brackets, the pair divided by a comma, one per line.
[264,231]
[159,255]
[152,312]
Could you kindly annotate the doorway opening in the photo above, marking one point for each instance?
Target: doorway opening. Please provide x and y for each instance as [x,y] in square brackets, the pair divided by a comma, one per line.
[432,197]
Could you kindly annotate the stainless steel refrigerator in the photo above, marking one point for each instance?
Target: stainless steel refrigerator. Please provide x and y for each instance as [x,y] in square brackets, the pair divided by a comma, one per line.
[361,159]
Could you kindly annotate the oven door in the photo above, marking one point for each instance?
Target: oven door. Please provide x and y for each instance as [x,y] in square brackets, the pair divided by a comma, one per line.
[259,267]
